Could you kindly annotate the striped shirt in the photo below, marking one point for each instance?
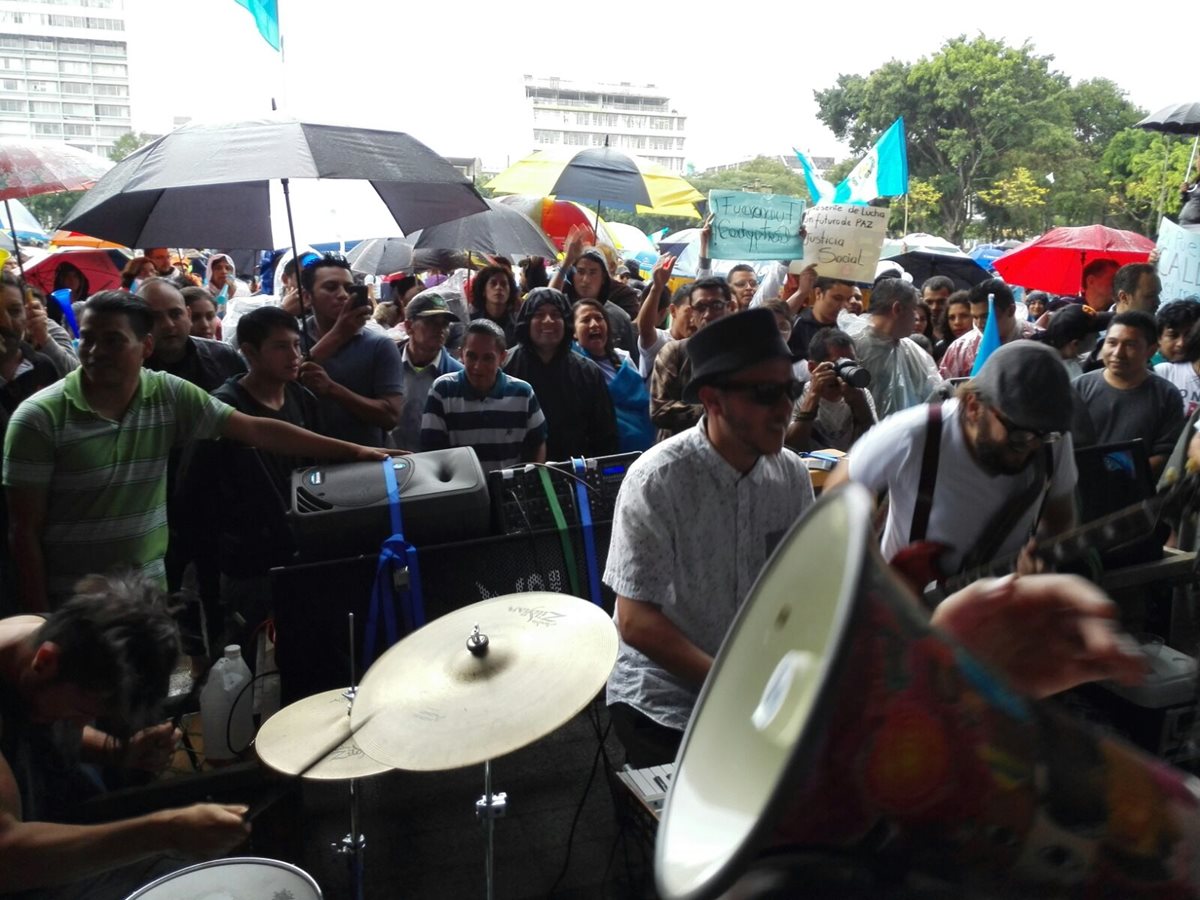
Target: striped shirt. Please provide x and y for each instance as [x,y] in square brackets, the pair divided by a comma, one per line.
[105,481]
[505,426]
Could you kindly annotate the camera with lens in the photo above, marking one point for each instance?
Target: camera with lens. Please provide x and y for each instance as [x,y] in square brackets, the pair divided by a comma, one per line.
[852,373]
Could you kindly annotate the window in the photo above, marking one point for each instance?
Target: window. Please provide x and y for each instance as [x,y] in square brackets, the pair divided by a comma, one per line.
[112,112]
[109,69]
[41,65]
[10,42]
[12,106]
[108,48]
[43,87]
[70,129]
[111,130]
[11,62]
[78,109]
[76,87]
[44,107]
[42,44]
[74,68]
[48,129]
[65,46]
[11,84]
[111,90]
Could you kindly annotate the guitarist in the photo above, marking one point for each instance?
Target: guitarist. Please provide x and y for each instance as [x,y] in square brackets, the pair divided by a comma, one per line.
[1000,469]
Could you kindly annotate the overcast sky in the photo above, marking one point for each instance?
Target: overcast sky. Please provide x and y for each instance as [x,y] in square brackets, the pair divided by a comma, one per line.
[744,73]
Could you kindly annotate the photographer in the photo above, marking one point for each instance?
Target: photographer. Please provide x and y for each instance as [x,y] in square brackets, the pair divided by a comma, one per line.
[834,411]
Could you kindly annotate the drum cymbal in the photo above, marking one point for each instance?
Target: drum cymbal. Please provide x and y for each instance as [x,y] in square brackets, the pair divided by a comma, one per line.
[292,739]
[429,704]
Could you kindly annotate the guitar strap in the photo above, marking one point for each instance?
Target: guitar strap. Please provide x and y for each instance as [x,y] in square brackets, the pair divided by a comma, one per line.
[929,467]
[1007,517]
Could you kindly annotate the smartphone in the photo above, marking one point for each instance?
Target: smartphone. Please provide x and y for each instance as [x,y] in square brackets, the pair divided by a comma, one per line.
[359,296]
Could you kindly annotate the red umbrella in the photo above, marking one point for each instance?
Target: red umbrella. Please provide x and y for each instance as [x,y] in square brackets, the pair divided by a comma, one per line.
[1055,261]
[36,167]
[101,268]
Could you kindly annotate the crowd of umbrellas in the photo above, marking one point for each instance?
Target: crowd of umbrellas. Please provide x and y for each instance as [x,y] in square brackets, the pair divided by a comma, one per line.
[260,184]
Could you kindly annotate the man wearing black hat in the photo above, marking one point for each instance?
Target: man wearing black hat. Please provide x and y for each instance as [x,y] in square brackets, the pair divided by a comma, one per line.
[423,359]
[1001,464]
[697,516]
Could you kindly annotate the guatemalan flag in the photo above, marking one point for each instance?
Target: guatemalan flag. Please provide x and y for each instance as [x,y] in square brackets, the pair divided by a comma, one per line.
[266,17]
[819,189]
[883,172]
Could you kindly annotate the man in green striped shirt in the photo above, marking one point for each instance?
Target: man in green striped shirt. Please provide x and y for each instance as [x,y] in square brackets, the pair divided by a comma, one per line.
[85,459]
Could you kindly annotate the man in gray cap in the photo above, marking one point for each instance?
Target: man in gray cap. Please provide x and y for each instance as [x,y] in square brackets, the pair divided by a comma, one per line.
[696,518]
[974,477]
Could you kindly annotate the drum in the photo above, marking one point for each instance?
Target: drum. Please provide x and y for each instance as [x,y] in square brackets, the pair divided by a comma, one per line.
[836,721]
[239,878]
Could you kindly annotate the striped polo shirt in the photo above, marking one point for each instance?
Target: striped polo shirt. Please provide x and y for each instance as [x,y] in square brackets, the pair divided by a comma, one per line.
[505,426]
[105,481]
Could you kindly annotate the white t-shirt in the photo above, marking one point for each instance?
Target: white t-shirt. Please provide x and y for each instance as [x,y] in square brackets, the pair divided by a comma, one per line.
[647,355]
[1183,376]
[965,497]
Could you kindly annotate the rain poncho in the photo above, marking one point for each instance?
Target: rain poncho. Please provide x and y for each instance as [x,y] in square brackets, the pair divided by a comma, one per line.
[902,374]
[631,403]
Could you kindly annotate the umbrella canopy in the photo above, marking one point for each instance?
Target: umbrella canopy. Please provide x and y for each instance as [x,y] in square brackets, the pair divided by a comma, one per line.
[24,224]
[28,168]
[1181,118]
[1055,261]
[209,185]
[501,230]
[101,268]
[557,217]
[603,176]
[918,240]
[960,268]
[75,239]
[381,256]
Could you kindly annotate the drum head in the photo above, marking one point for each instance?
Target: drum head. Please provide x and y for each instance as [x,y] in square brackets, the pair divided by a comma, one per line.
[241,878]
[760,709]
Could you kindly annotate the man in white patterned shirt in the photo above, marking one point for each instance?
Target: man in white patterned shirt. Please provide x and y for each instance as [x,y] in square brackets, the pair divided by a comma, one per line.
[696,519]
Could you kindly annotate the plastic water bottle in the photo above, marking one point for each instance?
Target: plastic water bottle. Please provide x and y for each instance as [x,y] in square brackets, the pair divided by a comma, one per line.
[227,727]
[220,300]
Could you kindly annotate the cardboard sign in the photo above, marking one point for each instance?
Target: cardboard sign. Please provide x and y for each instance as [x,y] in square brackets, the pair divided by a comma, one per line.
[1178,262]
[844,241]
[755,226]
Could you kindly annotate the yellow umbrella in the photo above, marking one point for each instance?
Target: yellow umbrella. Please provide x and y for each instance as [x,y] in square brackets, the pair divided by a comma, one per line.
[75,239]
[602,176]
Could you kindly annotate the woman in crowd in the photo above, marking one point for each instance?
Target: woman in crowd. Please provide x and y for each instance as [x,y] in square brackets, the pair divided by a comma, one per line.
[68,276]
[137,269]
[923,321]
[494,297]
[203,310]
[630,398]
[1072,331]
[1035,302]
[956,321]
[533,274]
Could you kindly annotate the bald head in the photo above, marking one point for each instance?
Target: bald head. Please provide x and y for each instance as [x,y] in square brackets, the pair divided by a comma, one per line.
[172,321]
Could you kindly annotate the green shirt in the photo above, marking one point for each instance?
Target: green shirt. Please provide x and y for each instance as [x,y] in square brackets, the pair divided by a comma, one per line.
[105,481]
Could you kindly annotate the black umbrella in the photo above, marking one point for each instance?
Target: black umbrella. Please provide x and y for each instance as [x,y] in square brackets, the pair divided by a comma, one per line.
[1182,118]
[208,185]
[921,264]
[381,256]
[501,230]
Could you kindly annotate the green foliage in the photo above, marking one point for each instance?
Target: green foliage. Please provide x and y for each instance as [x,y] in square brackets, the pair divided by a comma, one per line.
[129,142]
[50,209]
[762,174]
[977,111]
[1019,198]
[1144,172]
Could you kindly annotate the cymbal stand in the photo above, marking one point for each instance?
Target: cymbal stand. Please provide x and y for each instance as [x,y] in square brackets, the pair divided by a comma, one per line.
[491,806]
[353,846]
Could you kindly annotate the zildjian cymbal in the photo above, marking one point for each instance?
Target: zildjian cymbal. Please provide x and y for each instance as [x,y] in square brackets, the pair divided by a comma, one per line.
[312,738]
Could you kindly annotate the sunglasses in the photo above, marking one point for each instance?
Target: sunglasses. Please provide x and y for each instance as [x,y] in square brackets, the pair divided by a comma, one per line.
[1023,437]
[765,393]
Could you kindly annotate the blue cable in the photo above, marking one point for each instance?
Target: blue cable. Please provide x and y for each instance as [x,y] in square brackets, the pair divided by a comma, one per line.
[589,538]
[395,554]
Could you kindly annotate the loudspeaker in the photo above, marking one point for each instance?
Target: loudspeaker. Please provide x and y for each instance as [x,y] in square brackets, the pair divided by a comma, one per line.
[341,510]
[836,719]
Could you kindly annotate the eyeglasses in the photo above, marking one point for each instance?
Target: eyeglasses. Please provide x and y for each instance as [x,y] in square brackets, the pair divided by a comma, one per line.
[1023,437]
[765,393]
[704,308]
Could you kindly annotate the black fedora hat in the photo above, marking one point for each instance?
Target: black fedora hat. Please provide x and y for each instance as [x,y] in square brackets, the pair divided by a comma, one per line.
[731,344]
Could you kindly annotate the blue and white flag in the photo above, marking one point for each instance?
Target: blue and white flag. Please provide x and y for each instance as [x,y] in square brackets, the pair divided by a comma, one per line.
[819,189]
[266,17]
[883,172]
[989,342]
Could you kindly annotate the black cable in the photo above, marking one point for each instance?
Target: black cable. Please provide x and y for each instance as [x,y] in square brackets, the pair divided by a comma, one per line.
[229,719]
[579,809]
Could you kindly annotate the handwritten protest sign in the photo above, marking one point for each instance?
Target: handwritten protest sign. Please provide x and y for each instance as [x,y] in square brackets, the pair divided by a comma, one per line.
[755,226]
[844,241]
[1178,262]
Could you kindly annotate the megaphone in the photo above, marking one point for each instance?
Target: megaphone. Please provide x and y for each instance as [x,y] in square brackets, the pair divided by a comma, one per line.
[836,719]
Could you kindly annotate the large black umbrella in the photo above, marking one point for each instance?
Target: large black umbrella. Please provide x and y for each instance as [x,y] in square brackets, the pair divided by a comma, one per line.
[501,230]
[209,185]
[922,264]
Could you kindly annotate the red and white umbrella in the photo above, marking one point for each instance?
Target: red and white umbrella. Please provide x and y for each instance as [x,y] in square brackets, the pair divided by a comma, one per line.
[28,168]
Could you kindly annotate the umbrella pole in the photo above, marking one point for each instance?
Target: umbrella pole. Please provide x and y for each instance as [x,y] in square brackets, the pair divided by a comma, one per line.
[599,203]
[287,204]
[12,230]
[1191,160]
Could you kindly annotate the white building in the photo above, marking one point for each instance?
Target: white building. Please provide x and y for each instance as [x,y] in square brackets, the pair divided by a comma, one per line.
[64,72]
[637,119]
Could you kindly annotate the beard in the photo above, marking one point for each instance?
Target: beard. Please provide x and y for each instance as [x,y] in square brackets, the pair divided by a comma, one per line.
[998,458]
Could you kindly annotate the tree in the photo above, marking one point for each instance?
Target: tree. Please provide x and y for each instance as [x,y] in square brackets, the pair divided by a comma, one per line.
[1019,200]
[966,109]
[1144,171]
[762,174]
[128,143]
[924,209]
[50,209]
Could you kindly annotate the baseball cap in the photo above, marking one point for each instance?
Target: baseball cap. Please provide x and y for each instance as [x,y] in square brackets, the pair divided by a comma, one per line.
[1027,382]
[426,305]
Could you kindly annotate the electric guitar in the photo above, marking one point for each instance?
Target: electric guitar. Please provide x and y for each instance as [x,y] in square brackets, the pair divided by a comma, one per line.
[918,563]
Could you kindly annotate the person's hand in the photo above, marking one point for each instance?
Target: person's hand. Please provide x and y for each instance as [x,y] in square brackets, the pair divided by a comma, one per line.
[1153,258]
[291,301]
[375,454]
[350,321]
[577,239]
[1028,562]
[807,279]
[706,235]
[151,748]
[314,377]
[1193,453]
[825,383]
[37,327]
[661,273]
[1043,633]
[206,829]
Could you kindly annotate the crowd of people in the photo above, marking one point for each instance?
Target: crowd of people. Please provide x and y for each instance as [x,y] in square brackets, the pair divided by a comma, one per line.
[163,443]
